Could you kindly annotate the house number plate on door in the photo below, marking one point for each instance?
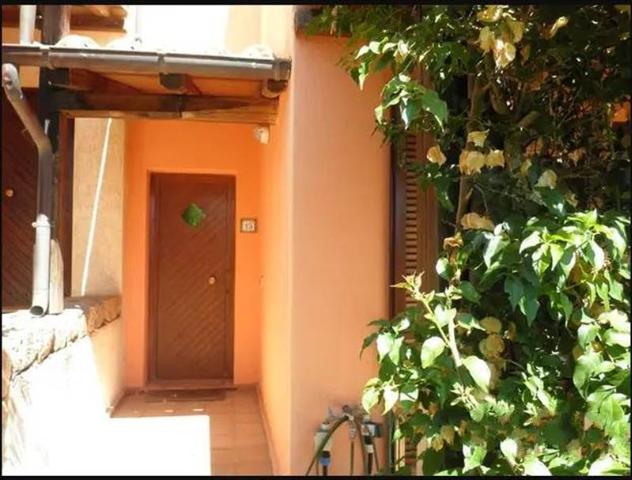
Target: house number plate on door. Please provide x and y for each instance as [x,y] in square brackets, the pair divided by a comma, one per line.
[248,225]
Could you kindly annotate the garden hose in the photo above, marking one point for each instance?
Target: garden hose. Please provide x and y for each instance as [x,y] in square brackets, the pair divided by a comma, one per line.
[355,423]
[377,463]
[320,448]
[351,458]
[362,447]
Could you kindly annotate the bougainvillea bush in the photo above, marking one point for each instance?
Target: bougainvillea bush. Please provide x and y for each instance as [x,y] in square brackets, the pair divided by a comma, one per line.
[520,362]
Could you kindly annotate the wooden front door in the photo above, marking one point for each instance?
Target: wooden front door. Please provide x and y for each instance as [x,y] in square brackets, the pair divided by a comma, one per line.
[192,277]
[19,196]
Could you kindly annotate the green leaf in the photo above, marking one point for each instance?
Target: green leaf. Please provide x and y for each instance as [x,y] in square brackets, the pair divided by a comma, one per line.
[565,304]
[479,371]
[367,342]
[602,291]
[509,448]
[617,319]
[558,431]
[534,467]
[370,398]
[588,219]
[432,461]
[605,465]
[515,290]
[530,242]
[616,290]
[595,255]
[384,344]
[612,337]
[494,246]
[473,456]
[409,112]
[360,74]
[584,368]
[374,47]
[443,268]
[444,316]
[408,395]
[540,259]
[387,369]
[478,412]
[431,103]
[396,348]
[586,334]
[529,304]
[549,402]
[469,292]
[468,322]
[553,200]
[390,398]
[556,252]
[363,50]
[379,113]
[430,350]
[567,262]
[617,240]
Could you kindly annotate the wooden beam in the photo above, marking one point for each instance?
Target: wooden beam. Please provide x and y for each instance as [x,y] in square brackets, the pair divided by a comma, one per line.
[179,82]
[64,199]
[99,10]
[218,109]
[89,21]
[55,25]
[86,80]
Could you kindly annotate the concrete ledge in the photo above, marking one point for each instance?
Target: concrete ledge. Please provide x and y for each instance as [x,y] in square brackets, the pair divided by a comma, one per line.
[27,340]
[61,374]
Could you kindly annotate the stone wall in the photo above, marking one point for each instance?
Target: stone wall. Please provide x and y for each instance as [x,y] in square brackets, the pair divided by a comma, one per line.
[97,230]
[61,376]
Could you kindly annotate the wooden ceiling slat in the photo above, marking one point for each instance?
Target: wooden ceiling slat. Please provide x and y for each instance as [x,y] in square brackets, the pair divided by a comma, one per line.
[218,109]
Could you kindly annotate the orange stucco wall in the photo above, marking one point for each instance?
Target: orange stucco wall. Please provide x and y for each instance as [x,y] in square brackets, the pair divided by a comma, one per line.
[190,147]
[324,252]
[276,205]
[276,326]
[340,218]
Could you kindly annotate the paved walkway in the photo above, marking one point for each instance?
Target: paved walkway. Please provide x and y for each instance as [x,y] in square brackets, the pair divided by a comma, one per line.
[160,435]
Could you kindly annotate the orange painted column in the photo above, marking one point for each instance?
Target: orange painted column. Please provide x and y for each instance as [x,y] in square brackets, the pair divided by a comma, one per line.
[190,147]
[340,238]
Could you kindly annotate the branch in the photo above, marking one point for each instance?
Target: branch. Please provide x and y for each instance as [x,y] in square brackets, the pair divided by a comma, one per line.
[476,106]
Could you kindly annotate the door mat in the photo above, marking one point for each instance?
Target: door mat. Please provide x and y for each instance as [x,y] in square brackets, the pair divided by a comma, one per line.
[208,394]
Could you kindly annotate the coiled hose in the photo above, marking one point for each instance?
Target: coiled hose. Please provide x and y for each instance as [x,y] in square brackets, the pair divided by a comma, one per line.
[330,432]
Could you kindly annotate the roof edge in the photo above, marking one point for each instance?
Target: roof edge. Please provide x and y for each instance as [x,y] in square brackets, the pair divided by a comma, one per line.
[143,61]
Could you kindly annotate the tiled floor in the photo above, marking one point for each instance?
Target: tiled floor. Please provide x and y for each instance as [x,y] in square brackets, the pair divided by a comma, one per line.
[237,440]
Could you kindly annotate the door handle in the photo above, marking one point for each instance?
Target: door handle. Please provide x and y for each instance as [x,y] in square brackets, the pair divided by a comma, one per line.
[212,280]
[9,192]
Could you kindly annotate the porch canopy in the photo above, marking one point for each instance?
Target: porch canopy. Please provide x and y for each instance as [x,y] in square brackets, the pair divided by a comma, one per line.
[100,82]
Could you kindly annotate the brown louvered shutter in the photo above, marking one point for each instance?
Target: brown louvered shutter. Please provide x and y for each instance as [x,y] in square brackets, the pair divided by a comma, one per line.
[415,245]
[416,229]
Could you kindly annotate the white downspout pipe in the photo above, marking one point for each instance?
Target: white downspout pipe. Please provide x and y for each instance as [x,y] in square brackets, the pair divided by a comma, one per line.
[27,23]
[42,224]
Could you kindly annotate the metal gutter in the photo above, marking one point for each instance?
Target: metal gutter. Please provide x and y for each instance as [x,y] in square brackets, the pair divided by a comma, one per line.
[124,61]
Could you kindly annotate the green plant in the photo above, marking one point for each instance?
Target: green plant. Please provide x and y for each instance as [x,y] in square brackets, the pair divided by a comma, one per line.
[520,363]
